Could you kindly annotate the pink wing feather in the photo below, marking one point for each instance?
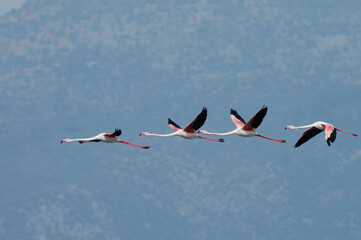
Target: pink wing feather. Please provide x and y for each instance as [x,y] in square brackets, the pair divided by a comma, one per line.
[236,119]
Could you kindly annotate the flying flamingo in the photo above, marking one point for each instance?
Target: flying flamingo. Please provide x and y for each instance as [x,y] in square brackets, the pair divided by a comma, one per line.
[104,137]
[245,129]
[189,132]
[316,128]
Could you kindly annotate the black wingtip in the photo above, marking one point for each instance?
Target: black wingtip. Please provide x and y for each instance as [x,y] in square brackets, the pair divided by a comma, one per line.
[117,132]
[265,108]
[200,119]
[204,109]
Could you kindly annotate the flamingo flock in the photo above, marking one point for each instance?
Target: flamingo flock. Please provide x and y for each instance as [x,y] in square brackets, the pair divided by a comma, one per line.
[243,129]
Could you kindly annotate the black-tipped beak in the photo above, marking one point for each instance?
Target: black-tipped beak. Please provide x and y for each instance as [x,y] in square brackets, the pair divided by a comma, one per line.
[140,134]
[61,141]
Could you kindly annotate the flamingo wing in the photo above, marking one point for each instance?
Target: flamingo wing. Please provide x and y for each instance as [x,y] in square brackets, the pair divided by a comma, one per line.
[307,135]
[198,122]
[173,125]
[256,120]
[116,133]
[236,119]
[330,134]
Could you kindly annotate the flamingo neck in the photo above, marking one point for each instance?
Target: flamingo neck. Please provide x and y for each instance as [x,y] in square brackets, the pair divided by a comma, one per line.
[218,134]
[78,139]
[163,135]
[299,127]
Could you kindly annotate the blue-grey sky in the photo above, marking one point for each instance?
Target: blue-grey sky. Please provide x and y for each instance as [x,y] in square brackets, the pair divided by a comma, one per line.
[7,5]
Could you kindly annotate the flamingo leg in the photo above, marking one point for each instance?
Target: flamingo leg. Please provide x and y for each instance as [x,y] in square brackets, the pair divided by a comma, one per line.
[132,144]
[346,132]
[212,139]
[276,140]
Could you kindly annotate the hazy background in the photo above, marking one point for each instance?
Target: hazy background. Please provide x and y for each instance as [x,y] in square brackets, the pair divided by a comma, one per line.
[8,5]
[77,68]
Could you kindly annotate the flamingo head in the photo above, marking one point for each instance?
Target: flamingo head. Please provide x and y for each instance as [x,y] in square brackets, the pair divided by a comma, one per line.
[144,133]
[289,127]
[203,131]
[65,140]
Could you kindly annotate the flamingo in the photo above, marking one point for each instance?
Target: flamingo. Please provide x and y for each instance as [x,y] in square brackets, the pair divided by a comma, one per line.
[103,137]
[190,132]
[316,128]
[245,129]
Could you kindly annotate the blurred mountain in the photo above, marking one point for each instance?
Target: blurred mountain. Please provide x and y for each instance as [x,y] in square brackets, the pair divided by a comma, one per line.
[77,68]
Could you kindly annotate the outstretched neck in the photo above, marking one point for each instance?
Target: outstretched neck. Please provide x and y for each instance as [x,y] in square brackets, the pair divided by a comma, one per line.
[76,139]
[67,140]
[161,135]
[205,132]
[299,127]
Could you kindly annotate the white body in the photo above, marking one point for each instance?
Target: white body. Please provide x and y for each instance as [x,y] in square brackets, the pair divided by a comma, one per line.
[237,131]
